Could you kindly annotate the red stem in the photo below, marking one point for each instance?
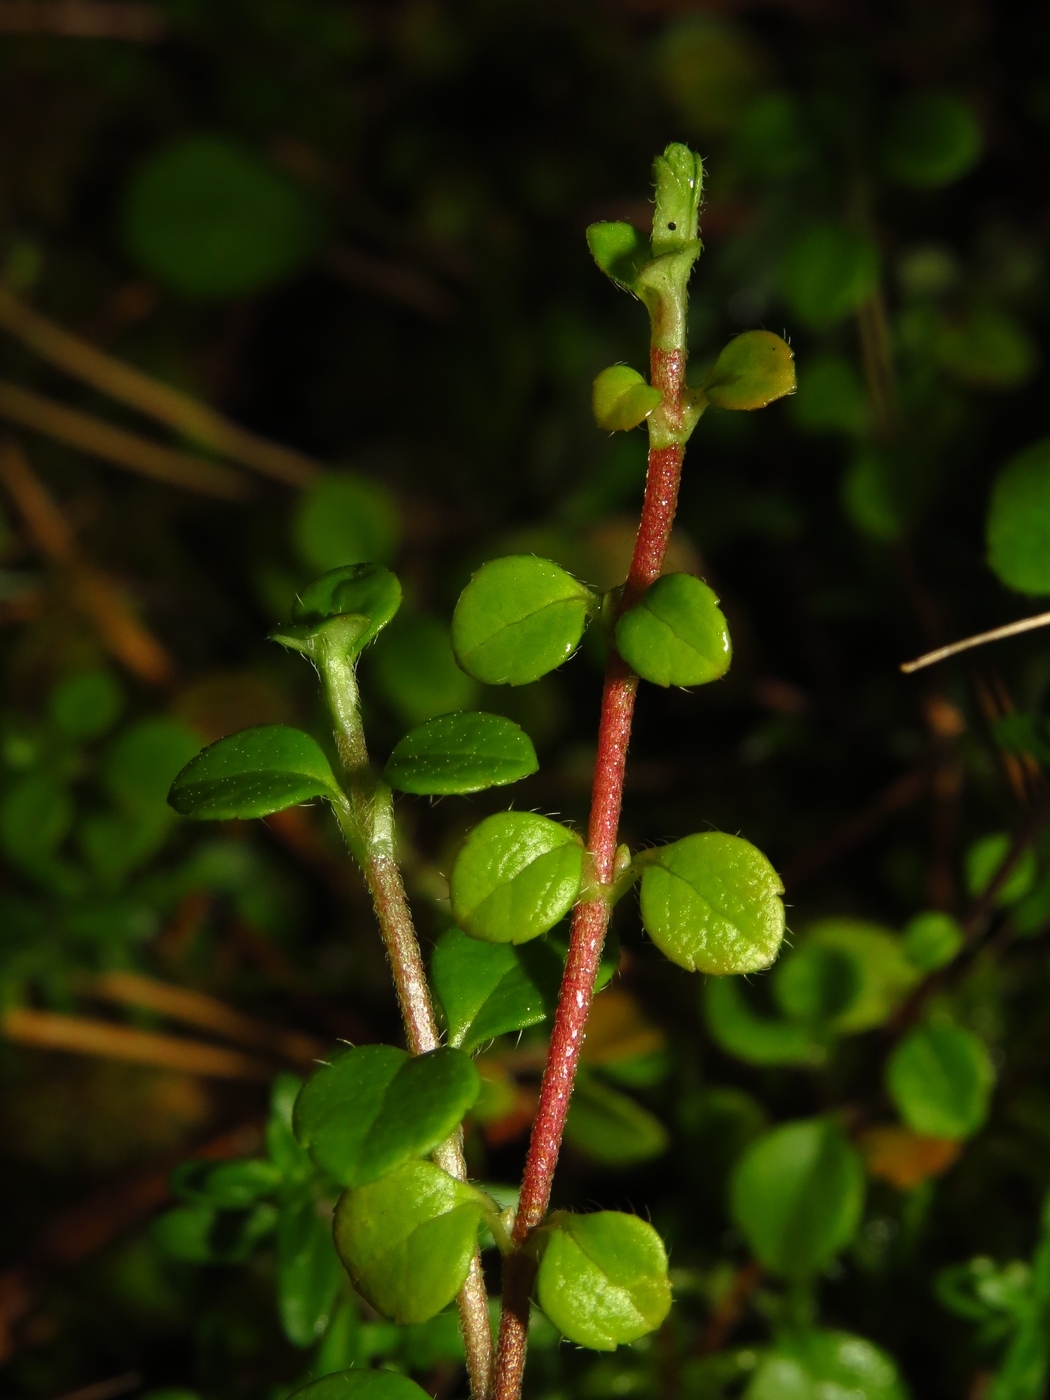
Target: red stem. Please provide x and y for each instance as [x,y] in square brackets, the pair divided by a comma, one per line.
[591,917]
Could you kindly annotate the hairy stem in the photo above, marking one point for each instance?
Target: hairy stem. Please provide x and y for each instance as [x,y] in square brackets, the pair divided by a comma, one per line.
[368,824]
[591,917]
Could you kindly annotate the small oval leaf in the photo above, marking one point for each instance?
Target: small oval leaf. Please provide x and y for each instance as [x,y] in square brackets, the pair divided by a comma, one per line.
[407,1240]
[515,877]
[620,250]
[753,370]
[366,596]
[460,753]
[361,1384]
[676,634]
[602,1278]
[518,618]
[940,1078]
[711,903]
[1018,530]
[797,1194]
[621,399]
[375,1107]
[820,1363]
[252,774]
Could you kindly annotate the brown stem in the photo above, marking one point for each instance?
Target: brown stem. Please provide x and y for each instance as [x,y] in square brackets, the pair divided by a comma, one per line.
[591,916]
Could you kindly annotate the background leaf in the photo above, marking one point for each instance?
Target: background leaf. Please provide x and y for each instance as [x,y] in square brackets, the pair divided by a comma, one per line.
[940,1078]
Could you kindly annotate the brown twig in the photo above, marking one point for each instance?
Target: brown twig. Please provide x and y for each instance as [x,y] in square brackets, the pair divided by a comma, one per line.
[90,590]
[83,19]
[149,396]
[50,1030]
[979,639]
[112,444]
[194,1008]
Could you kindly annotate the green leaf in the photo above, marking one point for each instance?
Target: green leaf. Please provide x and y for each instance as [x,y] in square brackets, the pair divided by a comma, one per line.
[375,1107]
[676,633]
[620,250]
[610,1127]
[519,618]
[462,752]
[225,1185]
[987,348]
[828,273]
[602,1278]
[86,706]
[211,219]
[361,1385]
[291,1161]
[753,370]
[490,989]
[797,1194]
[415,671]
[678,175]
[931,140]
[880,979]
[940,1078]
[711,903]
[36,814]
[308,1270]
[361,597]
[984,860]
[198,1234]
[407,1240]
[1019,521]
[710,69]
[830,398]
[824,1365]
[621,399]
[932,940]
[516,875]
[141,763]
[344,518]
[252,774]
[759,1040]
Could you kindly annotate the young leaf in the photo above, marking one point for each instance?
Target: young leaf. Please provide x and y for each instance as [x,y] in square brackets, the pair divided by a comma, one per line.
[461,753]
[516,875]
[940,1078]
[361,1385]
[307,1269]
[407,1240]
[676,634]
[602,1278]
[797,1194]
[621,399]
[711,903]
[932,940]
[490,989]
[759,1040]
[816,1363]
[620,250]
[375,1107]
[518,618]
[753,370]
[252,774]
[610,1127]
[364,596]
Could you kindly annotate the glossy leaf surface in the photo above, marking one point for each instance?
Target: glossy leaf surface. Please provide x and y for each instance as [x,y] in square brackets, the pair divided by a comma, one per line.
[407,1240]
[361,1384]
[490,989]
[711,903]
[620,250]
[252,774]
[519,618]
[753,370]
[676,634]
[461,753]
[516,875]
[621,399]
[798,1194]
[824,1365]
[940,1079]
[602,1278]
[375,1107]
[363,597]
